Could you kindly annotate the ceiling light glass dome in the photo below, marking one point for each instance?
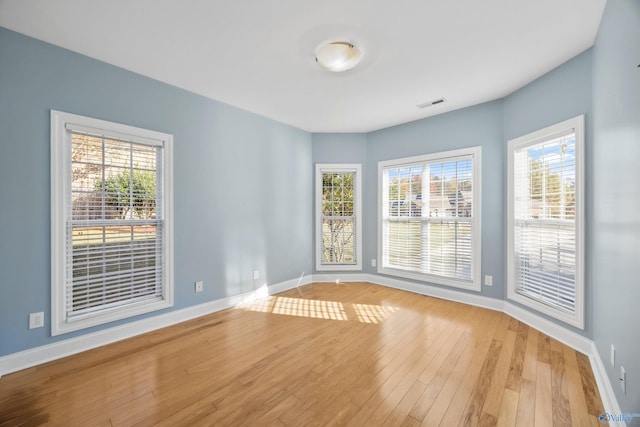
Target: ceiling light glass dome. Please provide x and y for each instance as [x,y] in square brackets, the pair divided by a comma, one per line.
[338,56]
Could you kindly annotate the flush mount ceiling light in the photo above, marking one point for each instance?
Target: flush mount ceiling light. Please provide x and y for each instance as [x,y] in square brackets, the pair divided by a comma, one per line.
[338,56]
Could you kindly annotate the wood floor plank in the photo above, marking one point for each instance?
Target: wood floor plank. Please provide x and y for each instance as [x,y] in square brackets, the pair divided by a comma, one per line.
[493,399]
[401,411]
[273,414]
[487,420]
[589,386]
[544,411]
[517,358]
[322,354]
[508,409]
[343,416]
[375,410]
[455,411]
[410,422]
[526,414]
[559,390]
[544,348]
[435,376]
[448,390]
[473,410]
[577,400]
[530,364]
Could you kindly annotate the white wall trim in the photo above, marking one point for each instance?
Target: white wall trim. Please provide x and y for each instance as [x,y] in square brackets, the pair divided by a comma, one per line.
[576,126]
[555,331]
[434,291]
[604,386]
[46,353]
[416,288]
[36,356]
[355,168]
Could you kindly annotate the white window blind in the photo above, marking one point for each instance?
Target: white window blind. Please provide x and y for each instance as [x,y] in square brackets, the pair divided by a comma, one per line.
[111,232]
[544,221]
[338,217]
[430,225]
[114,224]
[545,207]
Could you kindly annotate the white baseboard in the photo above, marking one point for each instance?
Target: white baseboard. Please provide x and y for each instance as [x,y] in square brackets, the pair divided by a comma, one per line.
[416,288]
[438,292]
[36,356]
[604,385]
[341,277]
[555,331]
[46,353]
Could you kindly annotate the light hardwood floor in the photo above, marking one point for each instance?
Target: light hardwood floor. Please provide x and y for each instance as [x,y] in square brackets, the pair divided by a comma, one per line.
[324,354]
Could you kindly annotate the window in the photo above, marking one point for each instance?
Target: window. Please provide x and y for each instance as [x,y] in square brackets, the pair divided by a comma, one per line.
[545,217]
[111,192]
[430,218]
[338,217]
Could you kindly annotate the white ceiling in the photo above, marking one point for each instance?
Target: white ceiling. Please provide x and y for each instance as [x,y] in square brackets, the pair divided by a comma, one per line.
[258,54]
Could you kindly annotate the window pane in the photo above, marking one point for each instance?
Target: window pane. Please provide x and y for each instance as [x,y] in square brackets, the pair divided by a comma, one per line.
[112,265]
[405,191]
[338,218]
[448,251]
[545,185]
[338,241]
[546,270]
[403,245]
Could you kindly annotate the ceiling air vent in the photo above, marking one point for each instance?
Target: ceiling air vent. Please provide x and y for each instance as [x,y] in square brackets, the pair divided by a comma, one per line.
[431,103]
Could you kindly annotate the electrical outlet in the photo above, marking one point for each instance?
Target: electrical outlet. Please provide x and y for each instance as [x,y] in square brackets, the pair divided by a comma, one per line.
[623,380]
[199,286]
[36,320]
[256,274]
[613,356]
[488,280]
[373,262]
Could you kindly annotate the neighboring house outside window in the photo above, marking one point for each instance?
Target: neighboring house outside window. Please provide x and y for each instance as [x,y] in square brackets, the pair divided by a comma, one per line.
[111,221]
[545,255]
[429,226]
[338,217]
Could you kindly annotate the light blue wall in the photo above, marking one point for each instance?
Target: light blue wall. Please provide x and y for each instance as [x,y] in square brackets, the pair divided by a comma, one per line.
[561,94]
[615,225]
[237,179]
[339,148]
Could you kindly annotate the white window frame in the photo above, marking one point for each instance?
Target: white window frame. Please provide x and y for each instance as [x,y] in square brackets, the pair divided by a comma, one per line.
[339,168]
[576,125]
[476,224]
[60,193]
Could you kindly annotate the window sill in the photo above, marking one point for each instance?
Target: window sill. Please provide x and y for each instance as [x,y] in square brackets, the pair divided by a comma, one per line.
[60,326]
[573,319]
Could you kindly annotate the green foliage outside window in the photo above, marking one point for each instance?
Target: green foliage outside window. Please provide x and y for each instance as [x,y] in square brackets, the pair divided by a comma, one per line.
[130,194]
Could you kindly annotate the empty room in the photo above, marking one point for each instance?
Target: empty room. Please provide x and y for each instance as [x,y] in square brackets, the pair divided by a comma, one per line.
[293,213]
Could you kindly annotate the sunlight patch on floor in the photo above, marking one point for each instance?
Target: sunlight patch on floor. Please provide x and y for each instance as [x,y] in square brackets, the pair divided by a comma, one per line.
[368,313]
[320,309]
